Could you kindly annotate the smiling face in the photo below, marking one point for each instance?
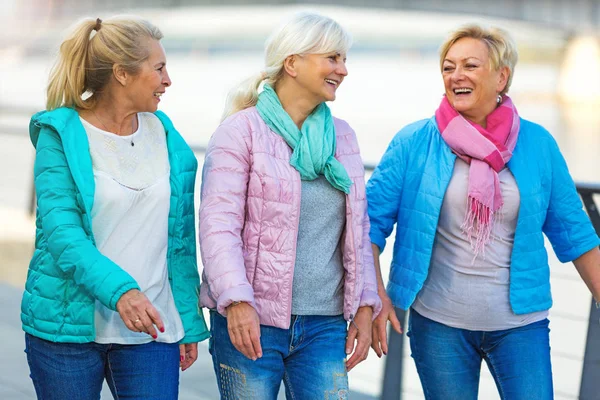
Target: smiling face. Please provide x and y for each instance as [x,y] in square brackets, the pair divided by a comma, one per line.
[150,83]
[319,75]
[471,83]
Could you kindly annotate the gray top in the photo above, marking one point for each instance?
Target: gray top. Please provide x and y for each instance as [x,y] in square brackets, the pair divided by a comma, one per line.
[318,287]
[467,293]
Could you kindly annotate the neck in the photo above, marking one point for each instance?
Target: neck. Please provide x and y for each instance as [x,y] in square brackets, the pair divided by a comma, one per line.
[480,117]
[111,114]
[297,105]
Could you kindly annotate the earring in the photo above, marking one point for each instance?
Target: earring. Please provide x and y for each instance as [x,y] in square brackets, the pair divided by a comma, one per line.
[499,99]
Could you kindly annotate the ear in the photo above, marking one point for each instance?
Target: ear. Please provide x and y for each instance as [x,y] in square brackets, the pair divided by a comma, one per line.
[290,65]
[502,79]
[120,74]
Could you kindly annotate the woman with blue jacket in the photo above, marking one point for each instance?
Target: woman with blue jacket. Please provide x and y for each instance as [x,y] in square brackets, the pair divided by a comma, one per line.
[112,288]
[471,192]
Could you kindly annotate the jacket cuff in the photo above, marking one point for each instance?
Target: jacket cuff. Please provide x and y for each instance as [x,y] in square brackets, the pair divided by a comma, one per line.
[112,304]
[377,239]
[238,293]
[371,299]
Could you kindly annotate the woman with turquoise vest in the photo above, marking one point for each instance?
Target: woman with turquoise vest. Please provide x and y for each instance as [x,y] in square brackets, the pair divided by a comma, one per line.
[471,191]
[284,232]
[112,288]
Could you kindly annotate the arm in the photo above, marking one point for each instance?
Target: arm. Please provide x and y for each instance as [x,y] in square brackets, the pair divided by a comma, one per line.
[588,266]
[383,193]
[568,227]
[379,343]
[224,190]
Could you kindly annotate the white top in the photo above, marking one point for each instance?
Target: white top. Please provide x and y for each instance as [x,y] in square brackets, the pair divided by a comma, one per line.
[468,293]
[130,221]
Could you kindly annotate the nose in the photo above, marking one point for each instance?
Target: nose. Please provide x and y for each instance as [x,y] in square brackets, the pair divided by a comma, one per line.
[457,74]
[341,68]
[166,81]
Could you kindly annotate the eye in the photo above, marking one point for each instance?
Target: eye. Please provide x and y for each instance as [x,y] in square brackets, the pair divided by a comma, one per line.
[333,57]
[471,66]
[447,69]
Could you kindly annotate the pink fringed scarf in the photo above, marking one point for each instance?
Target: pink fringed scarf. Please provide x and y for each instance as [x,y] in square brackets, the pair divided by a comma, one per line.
[487,151]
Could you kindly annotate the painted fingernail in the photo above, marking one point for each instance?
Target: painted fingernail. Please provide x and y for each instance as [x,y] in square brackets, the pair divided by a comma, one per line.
[181,358]
[162,330]
[154,336]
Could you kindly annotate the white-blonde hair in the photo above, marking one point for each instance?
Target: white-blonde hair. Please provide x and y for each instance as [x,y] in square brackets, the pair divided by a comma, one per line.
[501,47]
[304,33]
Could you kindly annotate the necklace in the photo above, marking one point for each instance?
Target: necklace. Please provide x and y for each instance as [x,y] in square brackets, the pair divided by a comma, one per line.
[118,134]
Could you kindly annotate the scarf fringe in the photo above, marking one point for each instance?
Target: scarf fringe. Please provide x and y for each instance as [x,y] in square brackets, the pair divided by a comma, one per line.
[477,225]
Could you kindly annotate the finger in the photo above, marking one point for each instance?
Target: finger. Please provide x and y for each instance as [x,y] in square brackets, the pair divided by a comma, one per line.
[375,345]
[255,338]
[395,322]
[181,355]
[382,335]
[130,325]
[148,327]
[236,342]
[248,345]
[360,354]
[155,317]
[352,332]
[191,355]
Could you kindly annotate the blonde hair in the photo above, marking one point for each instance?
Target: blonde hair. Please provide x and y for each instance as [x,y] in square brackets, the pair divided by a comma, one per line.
[88,54]
[501,47]
[304,33]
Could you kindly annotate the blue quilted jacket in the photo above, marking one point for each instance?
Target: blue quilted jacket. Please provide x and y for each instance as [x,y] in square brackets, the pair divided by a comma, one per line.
[407,189]
[67,273]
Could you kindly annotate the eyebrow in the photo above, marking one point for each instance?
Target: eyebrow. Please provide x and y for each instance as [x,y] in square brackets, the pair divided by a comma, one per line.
[160,64]
[463,59]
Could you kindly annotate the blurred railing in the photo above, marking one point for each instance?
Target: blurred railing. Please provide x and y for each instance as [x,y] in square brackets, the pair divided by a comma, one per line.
[392,379]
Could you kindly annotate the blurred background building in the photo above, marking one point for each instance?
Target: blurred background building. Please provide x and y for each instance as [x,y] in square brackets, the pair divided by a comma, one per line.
[393,79]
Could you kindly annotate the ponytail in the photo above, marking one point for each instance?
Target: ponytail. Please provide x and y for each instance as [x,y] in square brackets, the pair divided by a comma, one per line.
[243,96]
[67,78]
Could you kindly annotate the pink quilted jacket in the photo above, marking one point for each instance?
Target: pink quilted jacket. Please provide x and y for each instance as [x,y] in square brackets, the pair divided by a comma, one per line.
[249,221]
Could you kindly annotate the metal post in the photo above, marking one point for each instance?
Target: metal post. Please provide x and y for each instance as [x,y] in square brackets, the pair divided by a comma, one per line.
[392,378]
[590,375]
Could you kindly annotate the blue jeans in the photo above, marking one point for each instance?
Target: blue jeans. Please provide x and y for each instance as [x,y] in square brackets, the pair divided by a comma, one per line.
[309,357]
[448,359]
[76,371]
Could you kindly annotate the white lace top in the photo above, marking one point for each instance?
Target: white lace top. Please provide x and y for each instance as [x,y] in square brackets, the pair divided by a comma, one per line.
[130,221]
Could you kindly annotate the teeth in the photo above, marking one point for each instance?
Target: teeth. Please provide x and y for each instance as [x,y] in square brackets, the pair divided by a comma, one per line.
[463,90]
[157,94]
[331,81]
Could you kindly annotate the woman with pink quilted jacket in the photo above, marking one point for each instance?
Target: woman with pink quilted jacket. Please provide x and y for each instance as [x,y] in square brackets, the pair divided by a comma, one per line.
[288,267]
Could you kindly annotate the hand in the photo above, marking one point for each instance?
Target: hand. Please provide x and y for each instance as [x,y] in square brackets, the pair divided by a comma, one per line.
[380,344]
[188,354]
[243,325]
[360,330]
[138,313]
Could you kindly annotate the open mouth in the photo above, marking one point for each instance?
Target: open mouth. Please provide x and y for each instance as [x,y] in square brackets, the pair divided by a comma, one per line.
[462,91]
[157,94]
[332,82]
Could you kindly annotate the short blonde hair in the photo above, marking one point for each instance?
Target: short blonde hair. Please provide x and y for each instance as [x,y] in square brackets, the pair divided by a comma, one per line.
[501,47]
[304,33]
[86,58]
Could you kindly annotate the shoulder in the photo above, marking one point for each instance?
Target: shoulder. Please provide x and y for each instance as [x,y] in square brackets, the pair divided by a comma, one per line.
[535,137]
[60,121]
[243,122]
[418,133]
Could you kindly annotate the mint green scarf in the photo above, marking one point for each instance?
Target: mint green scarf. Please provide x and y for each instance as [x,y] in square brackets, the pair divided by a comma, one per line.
[313,146]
